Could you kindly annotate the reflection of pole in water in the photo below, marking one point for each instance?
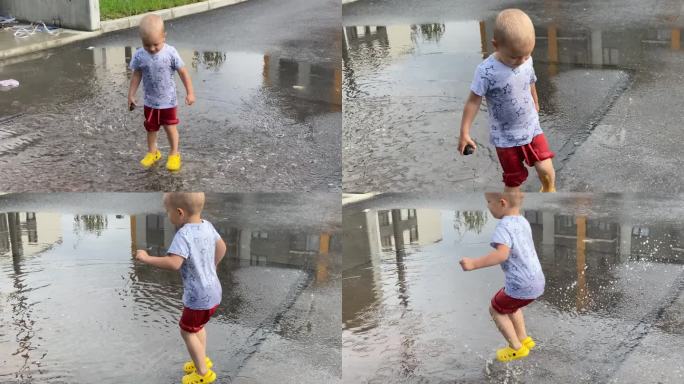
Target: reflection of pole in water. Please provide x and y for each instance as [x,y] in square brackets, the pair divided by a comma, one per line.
[31,228]
[128,54]
[134,236]
[336,90]
[398,236]
[14,224]
[266,72]
[20,308]
[581,302]
[675,43]
[323,258]
[483,39]
[4,234]
[408,359]
[399,249]
[552,34]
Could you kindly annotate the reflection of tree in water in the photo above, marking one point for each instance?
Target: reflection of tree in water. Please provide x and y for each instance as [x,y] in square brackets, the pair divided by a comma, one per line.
[90,223]
[428,32]
[210,59]
[465,221]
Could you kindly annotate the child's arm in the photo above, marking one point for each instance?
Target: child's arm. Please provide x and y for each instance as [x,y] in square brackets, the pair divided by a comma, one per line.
[469,113]
[133,88]
[187,82]
[171,261]
[497,256]
[533,89]
[220,251]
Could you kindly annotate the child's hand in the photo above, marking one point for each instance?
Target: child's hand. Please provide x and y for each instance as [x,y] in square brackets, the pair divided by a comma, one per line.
[190,99]
[467,264]
[131,103]
[141,255]
[463,141]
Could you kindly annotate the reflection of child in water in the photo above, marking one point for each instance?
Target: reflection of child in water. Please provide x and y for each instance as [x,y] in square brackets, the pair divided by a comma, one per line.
[524,279]
[196,251]
[507,80]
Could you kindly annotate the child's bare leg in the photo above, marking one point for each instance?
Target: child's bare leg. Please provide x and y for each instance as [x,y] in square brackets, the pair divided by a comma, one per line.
[196,350]
[519,324]
[547,175]
[151,141]
[172,135]
[203,339]
[505,325]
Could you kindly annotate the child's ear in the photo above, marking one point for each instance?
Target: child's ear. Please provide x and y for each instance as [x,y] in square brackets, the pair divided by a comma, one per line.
[494,44]
[180,212]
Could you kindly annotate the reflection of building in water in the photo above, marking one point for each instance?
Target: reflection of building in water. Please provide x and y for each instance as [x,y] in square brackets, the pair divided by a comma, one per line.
[382,228]
[417,226]
[27,234]
[387,41]
[155,233]
[23,235]
[151,232]
[260,247]
[304,80]
[591,47]
[572,247]
[656,243]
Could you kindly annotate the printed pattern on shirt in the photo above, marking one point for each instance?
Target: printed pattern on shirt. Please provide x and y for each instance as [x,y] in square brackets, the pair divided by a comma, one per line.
[158,70]
[524,278]
[196,243]
[513,118]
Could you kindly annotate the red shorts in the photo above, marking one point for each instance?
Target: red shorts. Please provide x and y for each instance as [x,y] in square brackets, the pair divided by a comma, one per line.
[512,159]
[505,304]
[155,118]
[193,320]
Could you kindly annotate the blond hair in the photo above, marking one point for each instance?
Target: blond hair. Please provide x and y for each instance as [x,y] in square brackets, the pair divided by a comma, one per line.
[513,198]
[151,24]
[514,28]
[190,202]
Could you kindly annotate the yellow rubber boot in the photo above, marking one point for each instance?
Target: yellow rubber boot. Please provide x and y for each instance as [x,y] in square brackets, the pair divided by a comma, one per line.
[174,162]
[189,366]
[528,342]
[510,354]
[195,378]
[150,159]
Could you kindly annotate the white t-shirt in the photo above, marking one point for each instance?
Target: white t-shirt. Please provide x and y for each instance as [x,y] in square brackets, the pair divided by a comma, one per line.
[523,272]
[513,117]
[196,243]
[158,75]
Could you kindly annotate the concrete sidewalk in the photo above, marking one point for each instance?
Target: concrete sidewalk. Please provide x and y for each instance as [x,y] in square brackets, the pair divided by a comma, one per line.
[11,46]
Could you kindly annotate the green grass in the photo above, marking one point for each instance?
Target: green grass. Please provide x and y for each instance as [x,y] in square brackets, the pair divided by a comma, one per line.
[114,9]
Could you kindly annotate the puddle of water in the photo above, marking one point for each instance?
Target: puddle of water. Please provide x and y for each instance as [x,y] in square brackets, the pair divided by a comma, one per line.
[74,304]
[405,86]
[410,314]
[70,114]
